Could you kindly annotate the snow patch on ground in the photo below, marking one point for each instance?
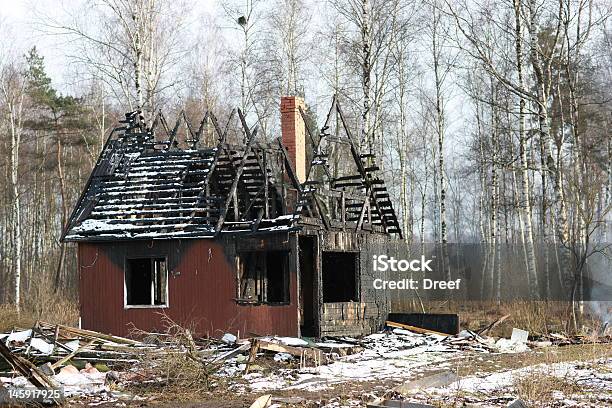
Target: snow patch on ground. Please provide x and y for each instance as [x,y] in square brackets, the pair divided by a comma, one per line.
[583,374]
[593,379]
[386,356]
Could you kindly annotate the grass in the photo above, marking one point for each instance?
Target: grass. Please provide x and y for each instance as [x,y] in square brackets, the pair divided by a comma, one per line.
[485,363]
[46,306]
[537,317]
[537,387]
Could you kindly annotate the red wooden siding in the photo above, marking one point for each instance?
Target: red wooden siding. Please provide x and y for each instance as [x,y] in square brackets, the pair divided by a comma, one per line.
[201,289]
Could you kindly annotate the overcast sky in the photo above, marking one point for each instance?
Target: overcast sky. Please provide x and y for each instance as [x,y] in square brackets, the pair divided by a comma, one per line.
[19,32]
[16,24]
[20,29]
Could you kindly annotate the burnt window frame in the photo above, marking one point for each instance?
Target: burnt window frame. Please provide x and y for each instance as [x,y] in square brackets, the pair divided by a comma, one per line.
[152,259]
[357,262]
[262,297]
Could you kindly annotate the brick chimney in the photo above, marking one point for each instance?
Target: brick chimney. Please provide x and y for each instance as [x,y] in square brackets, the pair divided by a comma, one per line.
[294,133]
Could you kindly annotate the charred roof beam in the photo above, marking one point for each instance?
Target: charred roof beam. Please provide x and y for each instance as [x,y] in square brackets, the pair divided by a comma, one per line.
[239,171]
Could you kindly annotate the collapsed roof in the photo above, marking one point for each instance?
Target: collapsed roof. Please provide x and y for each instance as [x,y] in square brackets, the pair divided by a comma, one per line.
[147,184]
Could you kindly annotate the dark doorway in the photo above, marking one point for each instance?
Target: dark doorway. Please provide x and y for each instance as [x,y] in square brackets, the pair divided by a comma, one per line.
[307,286]
[340,277]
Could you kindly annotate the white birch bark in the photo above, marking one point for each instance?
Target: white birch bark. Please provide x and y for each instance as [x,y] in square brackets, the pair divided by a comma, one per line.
[526,207]
[440,120]
[13,93]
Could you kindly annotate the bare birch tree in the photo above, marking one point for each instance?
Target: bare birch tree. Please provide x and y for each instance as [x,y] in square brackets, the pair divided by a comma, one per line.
[441,72]
[130,45]
[12,92]
[289,26]
[252,65]
[482,49]
[376,25]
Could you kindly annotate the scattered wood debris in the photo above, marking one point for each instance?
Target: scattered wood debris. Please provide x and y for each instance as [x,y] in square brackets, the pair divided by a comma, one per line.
[35,375]
[485,330]
[92,365]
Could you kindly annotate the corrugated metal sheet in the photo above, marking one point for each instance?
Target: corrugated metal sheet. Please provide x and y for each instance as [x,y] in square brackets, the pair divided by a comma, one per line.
[201,287]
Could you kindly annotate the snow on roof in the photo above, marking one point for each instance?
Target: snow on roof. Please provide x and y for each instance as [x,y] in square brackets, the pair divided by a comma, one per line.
[141,188]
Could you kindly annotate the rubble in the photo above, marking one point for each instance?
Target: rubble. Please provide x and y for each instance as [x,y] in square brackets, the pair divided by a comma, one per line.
[516,344]
[485,330]
[519,336]
[47,356]
[517,403]
[91,365]
[229,338]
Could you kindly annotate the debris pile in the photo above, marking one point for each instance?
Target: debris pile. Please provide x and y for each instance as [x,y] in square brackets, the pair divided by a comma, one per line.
[82,362]
[91,364]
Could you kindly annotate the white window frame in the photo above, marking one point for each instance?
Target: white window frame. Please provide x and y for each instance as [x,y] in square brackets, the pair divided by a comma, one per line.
[167,297]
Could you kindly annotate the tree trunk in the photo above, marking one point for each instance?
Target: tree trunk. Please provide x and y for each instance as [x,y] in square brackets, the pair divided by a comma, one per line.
[366,70]
[439,127]
[532,277]
[495,284]
[15,104]
[62,184]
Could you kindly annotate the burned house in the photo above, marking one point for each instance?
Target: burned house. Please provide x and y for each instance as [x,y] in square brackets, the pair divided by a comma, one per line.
[246,237]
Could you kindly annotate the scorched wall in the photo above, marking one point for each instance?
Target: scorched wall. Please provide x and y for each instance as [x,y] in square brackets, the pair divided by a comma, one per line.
[201,289]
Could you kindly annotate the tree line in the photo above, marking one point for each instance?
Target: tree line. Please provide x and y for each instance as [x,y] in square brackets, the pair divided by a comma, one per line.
[492,118]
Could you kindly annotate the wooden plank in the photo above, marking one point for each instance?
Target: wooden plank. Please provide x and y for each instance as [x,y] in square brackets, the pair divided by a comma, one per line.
[301,352]
[92,334]
[320,211]
[26,368]
[344,178]
[232,353]
[364,208]
[258,220]
[71,355]
[252,355]
[414,328]
[343,208]
[266,191]
[348,184]
[491,326]
[333,193]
